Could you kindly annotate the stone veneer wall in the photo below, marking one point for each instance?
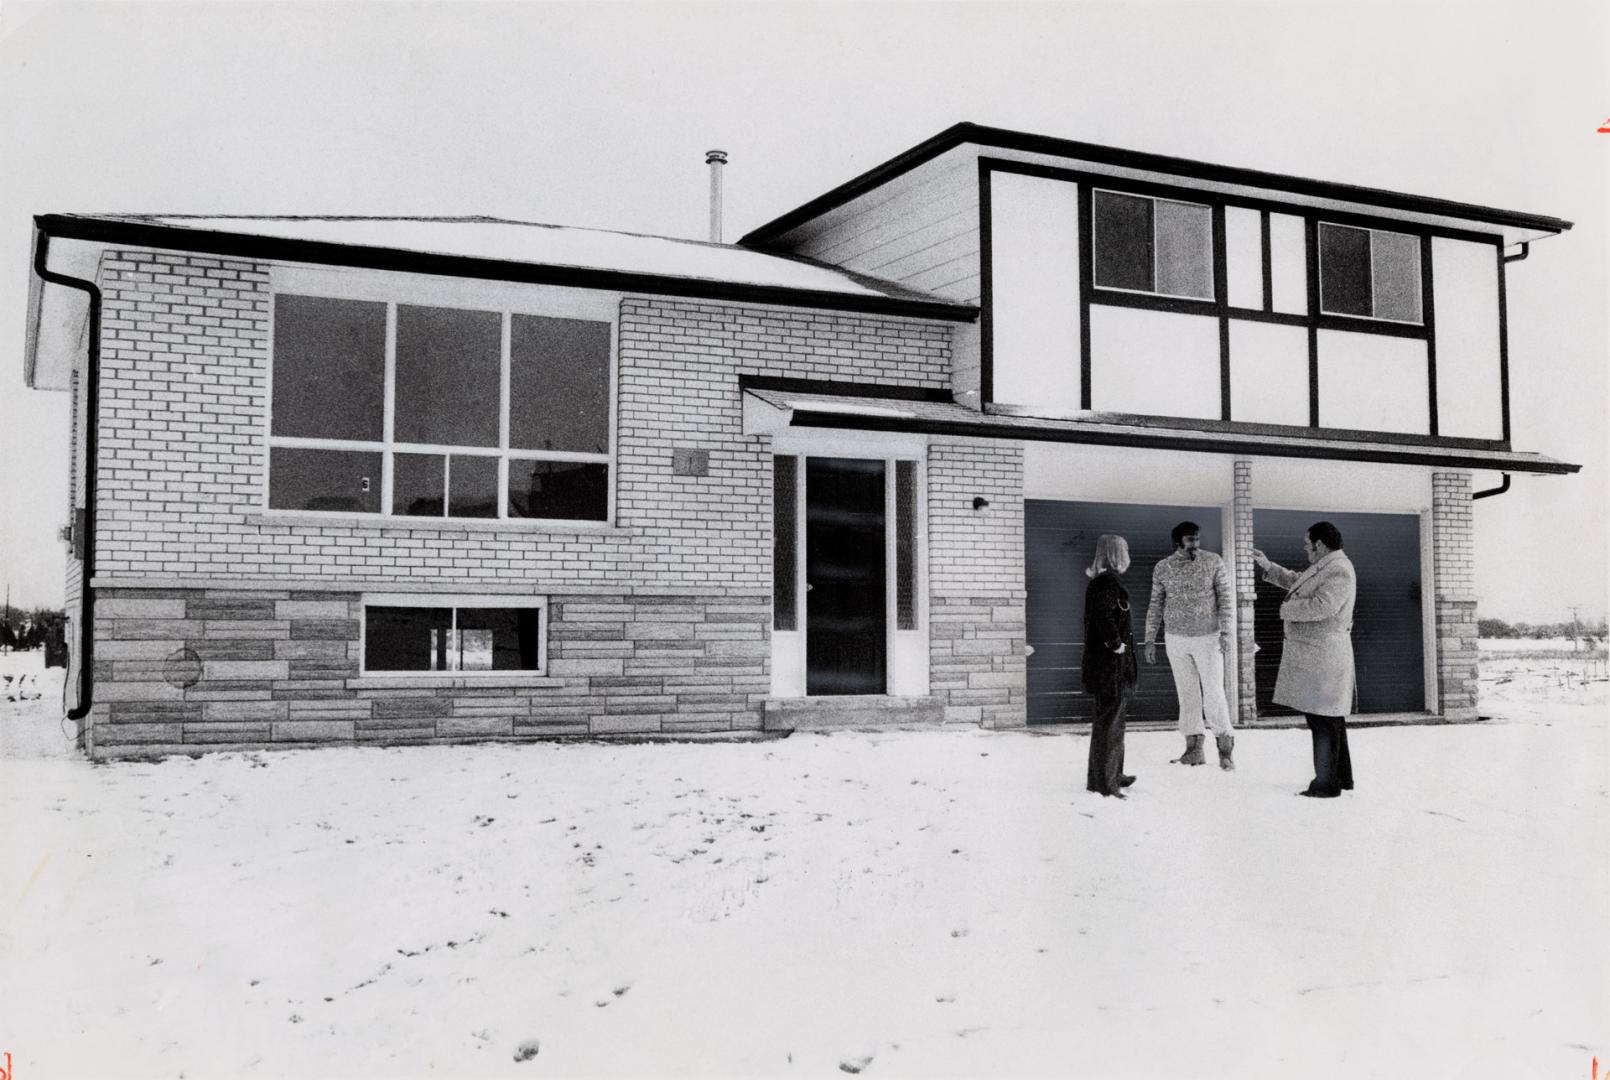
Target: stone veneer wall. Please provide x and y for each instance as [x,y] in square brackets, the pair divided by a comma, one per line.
[1452,540]
[184,669]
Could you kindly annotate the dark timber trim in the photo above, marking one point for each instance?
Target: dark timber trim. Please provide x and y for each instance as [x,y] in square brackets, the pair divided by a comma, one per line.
[1428,315]
[1311,238]
[1087,278]
[1315,448]
[1025,142]
[1268,265]
[1221,298]
[1503,339]
[986,284]
[318,252]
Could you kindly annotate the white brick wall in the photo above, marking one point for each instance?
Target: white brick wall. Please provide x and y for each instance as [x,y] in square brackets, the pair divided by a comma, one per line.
[184,377]
[971,551]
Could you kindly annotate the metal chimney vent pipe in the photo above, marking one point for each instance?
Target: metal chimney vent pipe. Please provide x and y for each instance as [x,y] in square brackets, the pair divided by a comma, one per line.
[715,159]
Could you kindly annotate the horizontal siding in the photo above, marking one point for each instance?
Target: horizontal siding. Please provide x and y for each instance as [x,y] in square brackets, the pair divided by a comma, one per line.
[907,228]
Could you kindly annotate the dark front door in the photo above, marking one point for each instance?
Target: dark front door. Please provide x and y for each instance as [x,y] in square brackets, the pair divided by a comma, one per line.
[846,649]
[1388,636]
[1059,541]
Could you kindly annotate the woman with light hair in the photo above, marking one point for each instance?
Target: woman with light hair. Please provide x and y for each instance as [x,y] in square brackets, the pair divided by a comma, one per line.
[1108,671]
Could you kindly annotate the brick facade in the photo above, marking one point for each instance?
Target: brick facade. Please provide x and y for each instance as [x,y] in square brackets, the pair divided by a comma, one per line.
[979,632]
[1246,593]
[1452,540]
[658,624]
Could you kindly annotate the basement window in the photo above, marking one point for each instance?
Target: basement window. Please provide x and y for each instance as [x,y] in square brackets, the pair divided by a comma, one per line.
[465,635]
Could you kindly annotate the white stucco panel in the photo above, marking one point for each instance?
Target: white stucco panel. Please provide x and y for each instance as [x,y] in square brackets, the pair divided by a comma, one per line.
[1126,475]
[1469,387]
[1372,382]
[1157,363]
[1345,486]
[1034,292]
[1268,373]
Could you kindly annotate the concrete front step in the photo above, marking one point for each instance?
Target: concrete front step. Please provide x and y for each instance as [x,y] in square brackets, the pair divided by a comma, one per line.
[851,711]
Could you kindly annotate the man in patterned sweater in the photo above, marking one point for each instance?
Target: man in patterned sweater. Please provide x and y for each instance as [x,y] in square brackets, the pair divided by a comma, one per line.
[1191,597]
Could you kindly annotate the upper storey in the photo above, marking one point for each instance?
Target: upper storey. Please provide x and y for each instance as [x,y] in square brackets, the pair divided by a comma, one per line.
[1130,286]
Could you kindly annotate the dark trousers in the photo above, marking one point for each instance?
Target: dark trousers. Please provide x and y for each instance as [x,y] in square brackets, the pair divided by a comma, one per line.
[1333,765]
[1107,743]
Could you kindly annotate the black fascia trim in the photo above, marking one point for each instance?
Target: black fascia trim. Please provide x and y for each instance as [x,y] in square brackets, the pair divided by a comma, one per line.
[1319,448]
[1026,142]
[319,252]
[790,385]
[1282,431]
[986,284]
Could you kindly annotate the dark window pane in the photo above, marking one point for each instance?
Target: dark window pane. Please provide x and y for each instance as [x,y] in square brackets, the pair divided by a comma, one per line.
[559,384]
[1123,241]
[1184,249]
[570,490]
[474,487]
[785,547]
[417,484]
[905,545]
[1395,271]
[345,480]
[406,638]
[499,639]
[1344,271]
[329,368]
[448,364]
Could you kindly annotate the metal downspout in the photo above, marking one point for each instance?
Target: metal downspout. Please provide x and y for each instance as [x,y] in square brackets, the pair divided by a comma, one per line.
[1499,490]
[86,652]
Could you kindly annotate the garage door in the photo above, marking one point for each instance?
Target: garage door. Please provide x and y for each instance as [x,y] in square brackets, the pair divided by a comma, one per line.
[1059,538]
[1388,639]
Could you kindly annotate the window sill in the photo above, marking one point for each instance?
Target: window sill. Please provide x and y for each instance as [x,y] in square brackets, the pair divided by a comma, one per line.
[446,525]
[451,681]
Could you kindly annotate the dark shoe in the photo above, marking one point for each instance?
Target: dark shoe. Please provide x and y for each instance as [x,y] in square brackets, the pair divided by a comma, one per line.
[1125,781]
[1319,793]
[1118,794]
[1193,752]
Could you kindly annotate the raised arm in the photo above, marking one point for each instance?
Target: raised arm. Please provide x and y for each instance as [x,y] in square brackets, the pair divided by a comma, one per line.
[1332,592]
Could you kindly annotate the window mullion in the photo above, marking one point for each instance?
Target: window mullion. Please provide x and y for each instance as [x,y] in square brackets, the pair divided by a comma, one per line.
[503,415]
[387,433]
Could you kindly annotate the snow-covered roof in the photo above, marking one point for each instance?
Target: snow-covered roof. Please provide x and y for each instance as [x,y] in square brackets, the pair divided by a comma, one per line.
[482,247]
[770,410]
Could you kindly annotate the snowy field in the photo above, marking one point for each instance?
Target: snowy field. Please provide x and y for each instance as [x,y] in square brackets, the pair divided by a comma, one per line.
[933,904]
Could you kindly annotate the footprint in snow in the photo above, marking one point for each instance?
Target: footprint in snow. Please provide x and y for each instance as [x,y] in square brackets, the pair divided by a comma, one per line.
[855,1064]
[527,1050]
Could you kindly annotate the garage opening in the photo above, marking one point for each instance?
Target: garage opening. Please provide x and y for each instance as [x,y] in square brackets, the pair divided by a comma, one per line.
[1059,538]
[1388,634]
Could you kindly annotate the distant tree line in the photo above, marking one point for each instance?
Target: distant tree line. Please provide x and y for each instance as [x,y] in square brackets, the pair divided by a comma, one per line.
[1498,628]
[29,628]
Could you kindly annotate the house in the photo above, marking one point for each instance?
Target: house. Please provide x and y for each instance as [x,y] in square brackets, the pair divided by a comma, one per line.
[351,480]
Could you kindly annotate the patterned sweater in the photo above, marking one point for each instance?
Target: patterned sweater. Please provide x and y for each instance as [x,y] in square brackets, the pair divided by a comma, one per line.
[1190,597]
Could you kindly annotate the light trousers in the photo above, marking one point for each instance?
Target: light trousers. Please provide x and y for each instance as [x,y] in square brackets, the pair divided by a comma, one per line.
[1199,680]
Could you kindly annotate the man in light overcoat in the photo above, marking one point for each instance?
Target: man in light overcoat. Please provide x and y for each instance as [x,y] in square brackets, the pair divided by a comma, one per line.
[1316,666]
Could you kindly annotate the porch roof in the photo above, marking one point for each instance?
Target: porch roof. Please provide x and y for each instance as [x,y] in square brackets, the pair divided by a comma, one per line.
[772,405]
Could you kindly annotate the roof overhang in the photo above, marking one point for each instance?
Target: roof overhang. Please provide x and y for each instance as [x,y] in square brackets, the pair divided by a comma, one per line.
[1514,226]
[771,406]
[57,318]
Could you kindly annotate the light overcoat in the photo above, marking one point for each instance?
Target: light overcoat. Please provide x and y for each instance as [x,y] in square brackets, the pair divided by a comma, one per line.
[1316,664]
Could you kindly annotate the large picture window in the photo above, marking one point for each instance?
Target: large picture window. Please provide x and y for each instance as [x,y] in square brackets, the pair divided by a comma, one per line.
[1149,245]
[1369,273]
[457,634]
[409,410]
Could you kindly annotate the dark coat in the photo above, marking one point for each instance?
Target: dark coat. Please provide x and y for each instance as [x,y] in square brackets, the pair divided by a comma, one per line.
[1109,657]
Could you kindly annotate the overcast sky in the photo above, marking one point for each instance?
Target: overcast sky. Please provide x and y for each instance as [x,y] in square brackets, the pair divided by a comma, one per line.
[599,114]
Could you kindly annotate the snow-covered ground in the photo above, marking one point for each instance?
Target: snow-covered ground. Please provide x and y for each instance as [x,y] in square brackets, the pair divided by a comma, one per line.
[930,903]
